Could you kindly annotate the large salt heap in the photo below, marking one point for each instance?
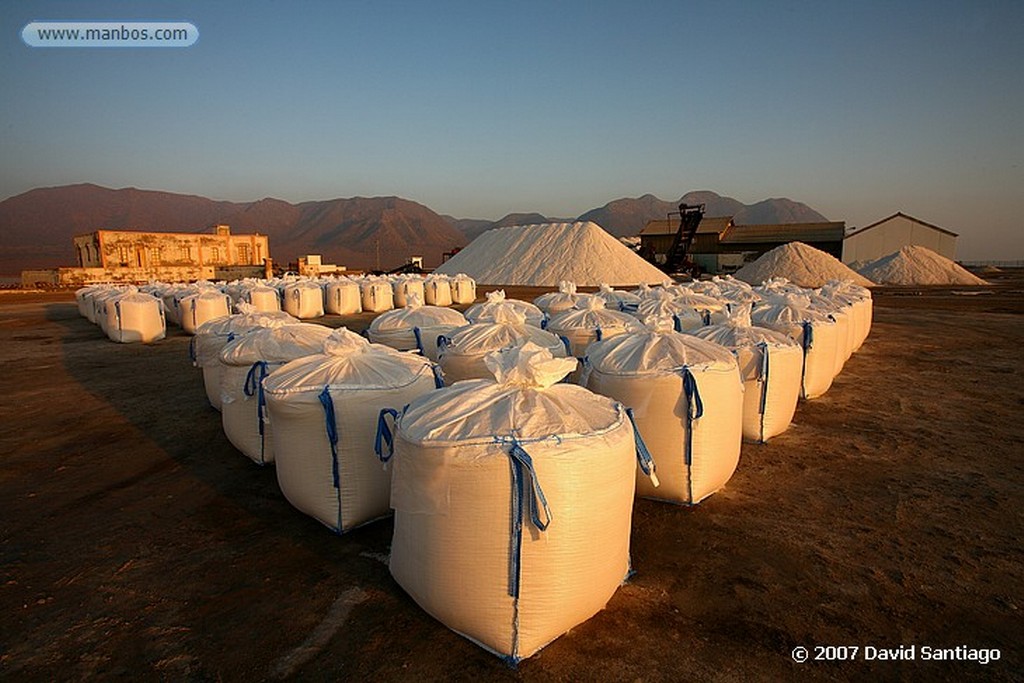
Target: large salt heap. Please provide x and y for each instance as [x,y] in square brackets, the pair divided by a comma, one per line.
[800,264]
[544,255]
[916,265]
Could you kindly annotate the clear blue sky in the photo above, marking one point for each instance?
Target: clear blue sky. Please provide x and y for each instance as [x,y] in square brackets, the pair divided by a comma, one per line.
[477,109]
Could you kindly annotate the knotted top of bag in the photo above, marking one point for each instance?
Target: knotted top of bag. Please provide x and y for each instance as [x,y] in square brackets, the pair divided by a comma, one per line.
[653,352]
[248,318]
[594,316]
[348,361]
[735,334]
[277,344]
[525,402]
[416,314]
[483,337]
[613,296]
[785,309]
[496,304]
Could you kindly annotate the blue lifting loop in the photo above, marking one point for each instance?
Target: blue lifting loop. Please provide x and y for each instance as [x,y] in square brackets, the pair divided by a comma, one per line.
[522,467]
[384,435]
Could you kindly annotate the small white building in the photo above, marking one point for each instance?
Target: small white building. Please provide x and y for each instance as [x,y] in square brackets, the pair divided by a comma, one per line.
[890,234]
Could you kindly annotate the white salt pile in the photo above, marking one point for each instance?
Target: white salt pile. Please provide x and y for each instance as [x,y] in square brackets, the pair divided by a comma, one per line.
[916,265]
[800,264]
[544,255]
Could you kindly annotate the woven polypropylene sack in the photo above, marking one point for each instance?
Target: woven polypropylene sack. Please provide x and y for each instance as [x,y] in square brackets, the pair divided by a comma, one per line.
[325,411]
[467,461]
[687,399]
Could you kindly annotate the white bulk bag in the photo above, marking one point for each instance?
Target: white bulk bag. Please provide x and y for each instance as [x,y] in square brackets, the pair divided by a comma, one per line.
[247,360]
[342,297]
[816,333]
[712,309]
[857,301]
[84,301]
[303,300]
[842,315]
[196,309]
[263,298]
[661,304]
[325,409]
[172,302]
[437,291]
[98,305]
[512,503]
[463,289]
[405,288]
[556,302]
[770,364]
[489,311]
[618,299]
[687,398]
[377,295]
[592,323]
[461,353]
[211,337]
[415,327]
[135,317]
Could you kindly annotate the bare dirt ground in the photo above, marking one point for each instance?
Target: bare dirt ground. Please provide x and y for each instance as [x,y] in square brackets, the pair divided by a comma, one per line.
[137,544]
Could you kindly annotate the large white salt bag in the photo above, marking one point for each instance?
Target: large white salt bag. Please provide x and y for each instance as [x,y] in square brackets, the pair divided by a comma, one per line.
[262,298]
[662,304]
[687,398]
[592,323]
[491,309]
[513,501]
[136,317]
[770,364]
[463,289]
[556,302]
[377,295]
[247,360]
[462,352]
[99,305]
[858,299]
[617,299]
[342,297]
[816,333]
[405,288]
[84,300]
[172,302]
[437,291]
[304,300]
[212,336]
[208,304]
[325,410]
[415,327]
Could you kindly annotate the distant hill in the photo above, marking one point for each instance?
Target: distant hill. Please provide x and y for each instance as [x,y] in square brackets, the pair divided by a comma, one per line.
[627,216]
[36,227]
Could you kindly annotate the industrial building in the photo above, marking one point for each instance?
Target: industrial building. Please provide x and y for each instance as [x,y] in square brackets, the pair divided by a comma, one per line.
[890,234]
[721,246]
[134,256]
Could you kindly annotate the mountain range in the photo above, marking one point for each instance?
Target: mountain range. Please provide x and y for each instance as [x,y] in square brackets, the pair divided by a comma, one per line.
[36,227]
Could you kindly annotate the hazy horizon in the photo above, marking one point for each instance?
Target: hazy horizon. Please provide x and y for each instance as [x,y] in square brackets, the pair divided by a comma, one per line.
[477,110]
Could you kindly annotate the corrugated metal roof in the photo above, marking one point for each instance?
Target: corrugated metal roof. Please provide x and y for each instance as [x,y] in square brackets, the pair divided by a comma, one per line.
[665,226]
[785,232]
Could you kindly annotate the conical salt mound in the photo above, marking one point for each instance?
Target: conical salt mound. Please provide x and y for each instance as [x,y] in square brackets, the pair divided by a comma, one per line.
[915,265]
[544,255]
[800,264]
